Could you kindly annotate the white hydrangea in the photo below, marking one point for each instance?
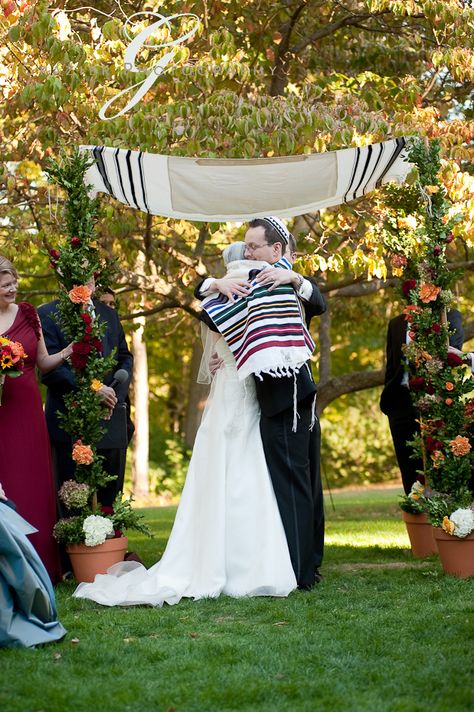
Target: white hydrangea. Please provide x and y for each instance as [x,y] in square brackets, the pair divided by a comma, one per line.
[463,520]
[96,529]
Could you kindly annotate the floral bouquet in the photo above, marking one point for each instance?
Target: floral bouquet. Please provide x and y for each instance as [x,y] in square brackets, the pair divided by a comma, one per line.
[86,526]
[12,357]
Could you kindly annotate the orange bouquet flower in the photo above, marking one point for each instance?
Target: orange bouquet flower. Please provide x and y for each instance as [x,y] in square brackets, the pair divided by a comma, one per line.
[12,355]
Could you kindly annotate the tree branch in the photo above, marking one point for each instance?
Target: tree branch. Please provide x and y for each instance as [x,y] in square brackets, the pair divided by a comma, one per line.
[333,27]
[348,383]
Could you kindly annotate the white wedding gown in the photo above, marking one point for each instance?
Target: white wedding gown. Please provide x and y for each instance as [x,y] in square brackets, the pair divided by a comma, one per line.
[227,536]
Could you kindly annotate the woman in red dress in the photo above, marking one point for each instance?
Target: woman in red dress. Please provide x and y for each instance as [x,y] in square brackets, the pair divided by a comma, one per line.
[25,459]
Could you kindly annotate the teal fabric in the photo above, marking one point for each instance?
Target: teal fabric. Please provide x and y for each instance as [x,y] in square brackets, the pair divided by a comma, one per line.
[28,615]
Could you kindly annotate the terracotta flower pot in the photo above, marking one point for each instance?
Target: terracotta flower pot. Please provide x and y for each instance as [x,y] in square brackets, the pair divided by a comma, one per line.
[420,533]
[87,561]
[456,553]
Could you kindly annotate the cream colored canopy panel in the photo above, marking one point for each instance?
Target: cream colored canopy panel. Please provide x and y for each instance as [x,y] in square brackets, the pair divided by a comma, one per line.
[200,189]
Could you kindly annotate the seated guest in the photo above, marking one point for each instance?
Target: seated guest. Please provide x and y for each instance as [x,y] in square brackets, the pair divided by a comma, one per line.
[27,605]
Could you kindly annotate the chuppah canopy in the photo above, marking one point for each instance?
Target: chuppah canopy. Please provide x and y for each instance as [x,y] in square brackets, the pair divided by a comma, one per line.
[234,189]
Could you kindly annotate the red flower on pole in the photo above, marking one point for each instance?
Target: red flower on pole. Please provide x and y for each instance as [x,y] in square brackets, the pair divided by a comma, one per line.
[417,384]
[408,285]
[454,360]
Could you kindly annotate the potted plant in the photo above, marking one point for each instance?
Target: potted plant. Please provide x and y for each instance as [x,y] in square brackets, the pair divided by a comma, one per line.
[94,537]
[419,226]
[89,530]
[414,508]
[454,533]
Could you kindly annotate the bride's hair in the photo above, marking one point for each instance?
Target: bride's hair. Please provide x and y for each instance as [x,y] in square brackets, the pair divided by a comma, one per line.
[233,252]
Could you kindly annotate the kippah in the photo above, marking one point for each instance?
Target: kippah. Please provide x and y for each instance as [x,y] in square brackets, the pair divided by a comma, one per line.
[279,226]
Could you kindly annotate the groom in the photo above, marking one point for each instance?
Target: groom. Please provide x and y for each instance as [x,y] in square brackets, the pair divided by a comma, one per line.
[292,454]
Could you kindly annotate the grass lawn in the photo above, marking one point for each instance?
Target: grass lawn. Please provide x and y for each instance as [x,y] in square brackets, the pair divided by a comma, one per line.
[382,632]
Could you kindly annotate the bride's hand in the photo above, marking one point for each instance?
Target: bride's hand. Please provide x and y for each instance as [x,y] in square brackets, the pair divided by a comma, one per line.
[2,493]
[230,287]
[215,362]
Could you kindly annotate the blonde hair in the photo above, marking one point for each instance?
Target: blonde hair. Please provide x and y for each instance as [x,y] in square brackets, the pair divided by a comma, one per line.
[6,266]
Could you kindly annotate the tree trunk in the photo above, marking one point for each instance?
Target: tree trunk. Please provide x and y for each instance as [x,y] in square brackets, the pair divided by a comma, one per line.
[141,392]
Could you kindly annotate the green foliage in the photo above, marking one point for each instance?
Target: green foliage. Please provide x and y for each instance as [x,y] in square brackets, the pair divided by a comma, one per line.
[169,461]
[376,69]
[80,213]
[356,446]
[124,517]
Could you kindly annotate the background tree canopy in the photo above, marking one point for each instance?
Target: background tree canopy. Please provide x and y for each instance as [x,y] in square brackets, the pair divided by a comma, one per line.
[258,79]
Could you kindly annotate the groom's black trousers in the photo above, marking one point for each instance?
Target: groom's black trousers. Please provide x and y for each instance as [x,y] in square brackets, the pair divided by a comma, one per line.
[293,462]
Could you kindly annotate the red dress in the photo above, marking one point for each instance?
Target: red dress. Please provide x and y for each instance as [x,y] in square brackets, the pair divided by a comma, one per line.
[25,458]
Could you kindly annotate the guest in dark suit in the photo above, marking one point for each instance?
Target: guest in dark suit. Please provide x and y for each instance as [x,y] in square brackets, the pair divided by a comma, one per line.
[395,400]
[292,457]
[61,381]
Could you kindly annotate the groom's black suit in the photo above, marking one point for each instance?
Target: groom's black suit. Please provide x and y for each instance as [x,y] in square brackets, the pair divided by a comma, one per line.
[395,400]
[293,457]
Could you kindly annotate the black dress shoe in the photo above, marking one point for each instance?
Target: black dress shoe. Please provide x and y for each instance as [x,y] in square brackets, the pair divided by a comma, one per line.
[318,577]
[133,556]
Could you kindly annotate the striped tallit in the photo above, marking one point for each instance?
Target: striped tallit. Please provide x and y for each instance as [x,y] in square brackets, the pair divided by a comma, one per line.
[265,330]
[242,189]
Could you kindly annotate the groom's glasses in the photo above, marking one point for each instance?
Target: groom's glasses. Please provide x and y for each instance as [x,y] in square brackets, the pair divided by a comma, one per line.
[252,246]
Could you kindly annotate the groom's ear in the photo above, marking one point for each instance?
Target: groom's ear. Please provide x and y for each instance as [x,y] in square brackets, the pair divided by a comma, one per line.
[277,250]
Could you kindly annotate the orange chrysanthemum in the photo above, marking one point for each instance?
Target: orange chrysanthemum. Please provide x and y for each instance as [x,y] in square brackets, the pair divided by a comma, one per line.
[437,458]
[449,401]
[460,446]
[411,310]
[449,386]
[80,295]
[429,293]
[82,454]
[448,526]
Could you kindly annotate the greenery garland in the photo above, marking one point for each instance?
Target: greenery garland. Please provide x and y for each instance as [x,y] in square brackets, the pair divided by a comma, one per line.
[76,263]
[418,228]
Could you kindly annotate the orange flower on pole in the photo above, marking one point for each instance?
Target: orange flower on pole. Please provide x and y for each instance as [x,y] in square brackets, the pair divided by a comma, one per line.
[82,454]
[449,401]
[437,458]
[460,446]
[411,310]
[408,223]
[80,294]
[449,386]
[429,293]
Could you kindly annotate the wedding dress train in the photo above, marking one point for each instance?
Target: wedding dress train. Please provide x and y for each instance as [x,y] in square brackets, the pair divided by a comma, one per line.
[227,536]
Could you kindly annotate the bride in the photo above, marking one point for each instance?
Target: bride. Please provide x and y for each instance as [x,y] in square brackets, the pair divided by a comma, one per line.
[227,537]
